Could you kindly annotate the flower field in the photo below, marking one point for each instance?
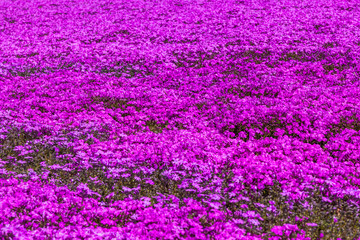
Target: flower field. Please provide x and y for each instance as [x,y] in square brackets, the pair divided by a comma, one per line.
[180,119]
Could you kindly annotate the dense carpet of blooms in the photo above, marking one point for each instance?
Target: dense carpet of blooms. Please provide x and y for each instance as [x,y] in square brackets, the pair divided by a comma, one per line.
[186,119]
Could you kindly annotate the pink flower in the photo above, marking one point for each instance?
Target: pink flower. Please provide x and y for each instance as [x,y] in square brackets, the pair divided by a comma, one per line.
[149,181]
[277,230]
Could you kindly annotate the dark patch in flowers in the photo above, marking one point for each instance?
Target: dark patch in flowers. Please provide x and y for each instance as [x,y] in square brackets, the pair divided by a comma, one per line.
[347,122]
[328,45]
[155,127]
[114,103]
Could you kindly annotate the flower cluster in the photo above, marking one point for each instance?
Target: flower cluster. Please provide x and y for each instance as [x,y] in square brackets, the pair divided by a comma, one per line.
[179,119]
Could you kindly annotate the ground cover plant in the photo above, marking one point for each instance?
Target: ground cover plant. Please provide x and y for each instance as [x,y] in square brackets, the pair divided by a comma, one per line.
[181,119]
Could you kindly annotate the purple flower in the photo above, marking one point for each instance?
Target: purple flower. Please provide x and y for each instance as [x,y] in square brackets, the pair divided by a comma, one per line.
[278,230]
[238,221]
[271,209]
[149,181]
[107,221]
[311,224]
[291,227]
[126,189]
[259,205]
[306,205]
[254,222]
